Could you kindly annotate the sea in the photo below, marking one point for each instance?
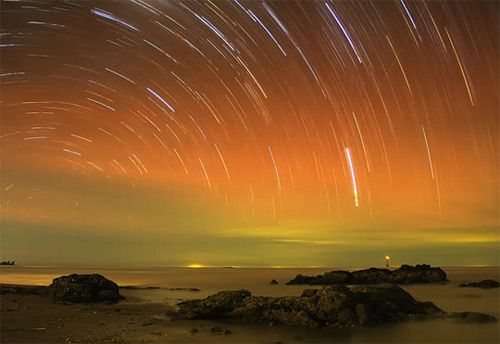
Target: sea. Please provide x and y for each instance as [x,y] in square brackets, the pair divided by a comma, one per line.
[174,284]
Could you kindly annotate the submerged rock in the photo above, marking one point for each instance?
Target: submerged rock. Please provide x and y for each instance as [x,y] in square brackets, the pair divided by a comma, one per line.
[273,282]
[485,284]
[83,288]
[406,274]
[336,306]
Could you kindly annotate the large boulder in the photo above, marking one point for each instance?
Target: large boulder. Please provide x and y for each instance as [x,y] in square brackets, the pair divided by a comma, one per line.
[485,284]
[335,307]
[84,288]
[406,274]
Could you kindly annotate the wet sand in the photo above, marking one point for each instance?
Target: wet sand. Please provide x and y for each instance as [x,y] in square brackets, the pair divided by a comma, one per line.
[141,318]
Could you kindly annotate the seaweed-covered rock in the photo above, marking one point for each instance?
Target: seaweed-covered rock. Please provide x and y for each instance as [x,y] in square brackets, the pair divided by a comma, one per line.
[335,306]
[406,274]
[485,284]
[84,288]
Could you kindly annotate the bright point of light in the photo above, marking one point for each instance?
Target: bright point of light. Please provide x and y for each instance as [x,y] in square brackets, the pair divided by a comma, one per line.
[387,257]
[195,266]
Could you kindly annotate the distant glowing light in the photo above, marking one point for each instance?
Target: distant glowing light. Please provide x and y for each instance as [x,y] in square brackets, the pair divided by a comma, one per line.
[353,177]
[195,266]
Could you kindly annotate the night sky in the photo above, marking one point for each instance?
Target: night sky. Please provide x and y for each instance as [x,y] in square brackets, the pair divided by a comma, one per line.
[249,133]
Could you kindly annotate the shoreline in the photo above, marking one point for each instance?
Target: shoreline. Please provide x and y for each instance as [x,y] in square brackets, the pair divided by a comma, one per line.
[28,318]
[141,317]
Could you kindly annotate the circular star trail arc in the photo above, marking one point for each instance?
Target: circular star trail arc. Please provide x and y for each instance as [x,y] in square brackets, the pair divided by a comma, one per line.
[282,110]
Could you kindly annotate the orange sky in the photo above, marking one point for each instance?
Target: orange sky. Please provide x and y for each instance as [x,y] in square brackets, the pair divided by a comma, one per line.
[223,130]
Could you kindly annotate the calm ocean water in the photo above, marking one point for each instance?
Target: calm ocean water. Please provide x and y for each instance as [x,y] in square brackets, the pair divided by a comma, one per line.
[210,280]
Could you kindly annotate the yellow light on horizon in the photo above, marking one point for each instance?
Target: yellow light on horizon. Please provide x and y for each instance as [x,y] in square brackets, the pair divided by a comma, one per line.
[195,266]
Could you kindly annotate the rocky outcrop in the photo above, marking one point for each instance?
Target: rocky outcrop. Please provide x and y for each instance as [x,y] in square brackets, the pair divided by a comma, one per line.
[406,274]
[485,284]
[84,288]
[336,306]
[214,306]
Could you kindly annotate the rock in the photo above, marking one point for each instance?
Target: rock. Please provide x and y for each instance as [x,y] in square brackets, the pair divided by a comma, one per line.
[334,277]
[301,279]
[485,284]
[472,317]
[406,274]
[194,330]
[273,282]
[85,288]
[213,306]
[423,273]
[370,276]
[334,307]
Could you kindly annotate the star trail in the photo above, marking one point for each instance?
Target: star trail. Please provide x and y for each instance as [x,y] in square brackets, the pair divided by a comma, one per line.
[278,121]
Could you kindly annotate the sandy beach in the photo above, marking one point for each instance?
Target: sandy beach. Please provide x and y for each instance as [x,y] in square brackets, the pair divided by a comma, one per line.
[142,316]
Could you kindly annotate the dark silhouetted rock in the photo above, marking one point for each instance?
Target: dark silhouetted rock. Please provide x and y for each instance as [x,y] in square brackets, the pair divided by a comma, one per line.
[273,282]
[85,288]
[8,263]
[472,317]
[406,274]
[485,284]
[335,306]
